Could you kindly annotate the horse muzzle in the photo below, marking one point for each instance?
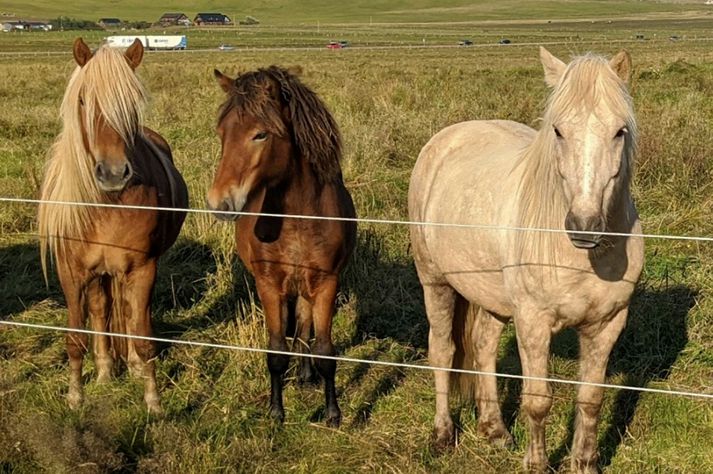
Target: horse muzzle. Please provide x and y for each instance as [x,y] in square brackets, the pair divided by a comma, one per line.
[226,210]
[112,177]
[584,232]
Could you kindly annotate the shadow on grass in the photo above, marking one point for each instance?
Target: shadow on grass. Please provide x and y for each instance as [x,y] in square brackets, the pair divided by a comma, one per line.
[21,281]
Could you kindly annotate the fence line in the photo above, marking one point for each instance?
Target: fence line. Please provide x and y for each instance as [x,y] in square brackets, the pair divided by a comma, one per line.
[401,365]
[349,359]
[364,220]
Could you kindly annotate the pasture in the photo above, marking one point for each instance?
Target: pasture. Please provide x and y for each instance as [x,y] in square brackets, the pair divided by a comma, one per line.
[388,103]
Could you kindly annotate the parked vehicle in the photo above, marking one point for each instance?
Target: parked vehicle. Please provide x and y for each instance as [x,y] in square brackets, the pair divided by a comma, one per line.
[504,41]
[465,42]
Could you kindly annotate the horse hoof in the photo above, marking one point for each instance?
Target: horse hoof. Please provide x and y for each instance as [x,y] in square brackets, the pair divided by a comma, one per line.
[442,440]
[334,420]
[74,400]
[584,467]
[277,414]
[499,437]
[534,466]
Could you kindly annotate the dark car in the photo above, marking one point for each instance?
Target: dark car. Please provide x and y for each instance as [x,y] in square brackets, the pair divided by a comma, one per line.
[504,41]
[343,43]
[465,42]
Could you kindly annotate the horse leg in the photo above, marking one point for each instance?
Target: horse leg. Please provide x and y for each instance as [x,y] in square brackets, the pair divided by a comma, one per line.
[596,344]
[99,307]
[137,289]
[440,303]
[274,305]
[533,340]
[304,329]
[486,332]
[323,312]
[73,283]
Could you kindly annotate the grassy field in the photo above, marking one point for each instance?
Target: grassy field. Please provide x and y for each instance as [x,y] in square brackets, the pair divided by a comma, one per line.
[361,11]
[388,104]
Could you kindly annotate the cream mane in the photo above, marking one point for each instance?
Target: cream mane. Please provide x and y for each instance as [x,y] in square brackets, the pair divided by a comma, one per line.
[588,80]
[105,86]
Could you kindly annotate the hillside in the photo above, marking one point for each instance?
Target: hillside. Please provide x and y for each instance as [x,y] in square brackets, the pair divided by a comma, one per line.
[360,11]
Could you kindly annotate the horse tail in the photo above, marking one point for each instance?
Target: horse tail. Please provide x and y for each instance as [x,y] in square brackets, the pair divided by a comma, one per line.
[464,357]
[117,321]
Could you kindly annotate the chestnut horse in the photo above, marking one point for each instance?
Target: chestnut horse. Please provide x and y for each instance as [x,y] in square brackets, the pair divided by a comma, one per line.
[572,175]
[280,155]
[106,258]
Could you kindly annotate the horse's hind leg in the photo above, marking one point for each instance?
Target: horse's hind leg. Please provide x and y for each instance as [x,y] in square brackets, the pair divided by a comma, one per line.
[138,286]
[301,342]
[73,283]
[99,307]
[440,304]
[486,332]
[323,312]
[595,346]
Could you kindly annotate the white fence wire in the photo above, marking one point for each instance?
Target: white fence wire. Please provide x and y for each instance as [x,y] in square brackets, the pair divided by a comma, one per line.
[401,365]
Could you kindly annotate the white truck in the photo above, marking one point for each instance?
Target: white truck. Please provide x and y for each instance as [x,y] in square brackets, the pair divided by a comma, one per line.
[150,42]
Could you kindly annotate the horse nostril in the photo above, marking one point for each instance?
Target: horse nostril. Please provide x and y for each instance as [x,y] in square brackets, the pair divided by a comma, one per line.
[226,206]
[100,171]
[127,172]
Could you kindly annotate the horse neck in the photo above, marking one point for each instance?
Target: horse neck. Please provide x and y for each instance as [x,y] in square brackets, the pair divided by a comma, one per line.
[301,188]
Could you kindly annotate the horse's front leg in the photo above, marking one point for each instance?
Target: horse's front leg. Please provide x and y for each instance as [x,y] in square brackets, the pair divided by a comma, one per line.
[323,312]
[137,289]
[74,282]
[440,303]
[274,305]
[534,333]
[596,343]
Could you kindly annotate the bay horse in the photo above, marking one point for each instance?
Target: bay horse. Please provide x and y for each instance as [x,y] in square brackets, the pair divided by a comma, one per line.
[106,258]
[280,154]
[573,175]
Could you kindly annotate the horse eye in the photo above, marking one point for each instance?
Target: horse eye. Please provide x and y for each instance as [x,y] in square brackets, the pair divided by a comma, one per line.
[557,132]
[621,132]
[260,136]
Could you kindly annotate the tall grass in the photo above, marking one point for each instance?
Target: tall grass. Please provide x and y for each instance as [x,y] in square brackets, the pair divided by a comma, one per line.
[388,104]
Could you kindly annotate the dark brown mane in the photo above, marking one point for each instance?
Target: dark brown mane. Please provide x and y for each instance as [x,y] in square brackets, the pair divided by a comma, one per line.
[313,129]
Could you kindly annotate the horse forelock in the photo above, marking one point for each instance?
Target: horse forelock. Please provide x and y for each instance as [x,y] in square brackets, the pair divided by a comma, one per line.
[105,86]
[588,83]
[265,93]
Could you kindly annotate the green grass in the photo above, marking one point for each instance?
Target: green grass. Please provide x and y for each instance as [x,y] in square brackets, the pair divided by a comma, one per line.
[388,104]
[361,11]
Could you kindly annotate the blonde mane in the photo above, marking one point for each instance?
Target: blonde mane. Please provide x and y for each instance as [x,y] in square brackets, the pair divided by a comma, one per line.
[105,86]
[587,81]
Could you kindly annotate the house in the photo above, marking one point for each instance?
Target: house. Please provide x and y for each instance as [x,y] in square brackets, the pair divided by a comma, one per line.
[214,19]
[169,19]
[109,23]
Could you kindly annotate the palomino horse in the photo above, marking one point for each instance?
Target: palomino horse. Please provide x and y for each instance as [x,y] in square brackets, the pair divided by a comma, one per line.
[572,175]
[281,151]
[106,258]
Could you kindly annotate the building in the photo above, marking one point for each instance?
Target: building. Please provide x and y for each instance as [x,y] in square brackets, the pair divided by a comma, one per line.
[171,19]
[213,19]
[109,23]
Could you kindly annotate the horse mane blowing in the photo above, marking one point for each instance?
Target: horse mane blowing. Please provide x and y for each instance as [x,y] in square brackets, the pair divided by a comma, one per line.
[266,92]
[105,86]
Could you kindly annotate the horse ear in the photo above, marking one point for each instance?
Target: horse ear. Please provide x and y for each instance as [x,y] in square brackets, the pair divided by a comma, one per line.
[82,53]
[225,82]
[554,68]
[621,65]
[135,53]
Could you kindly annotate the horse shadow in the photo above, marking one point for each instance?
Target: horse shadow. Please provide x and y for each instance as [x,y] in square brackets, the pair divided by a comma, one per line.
[388,308]
[22,283]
